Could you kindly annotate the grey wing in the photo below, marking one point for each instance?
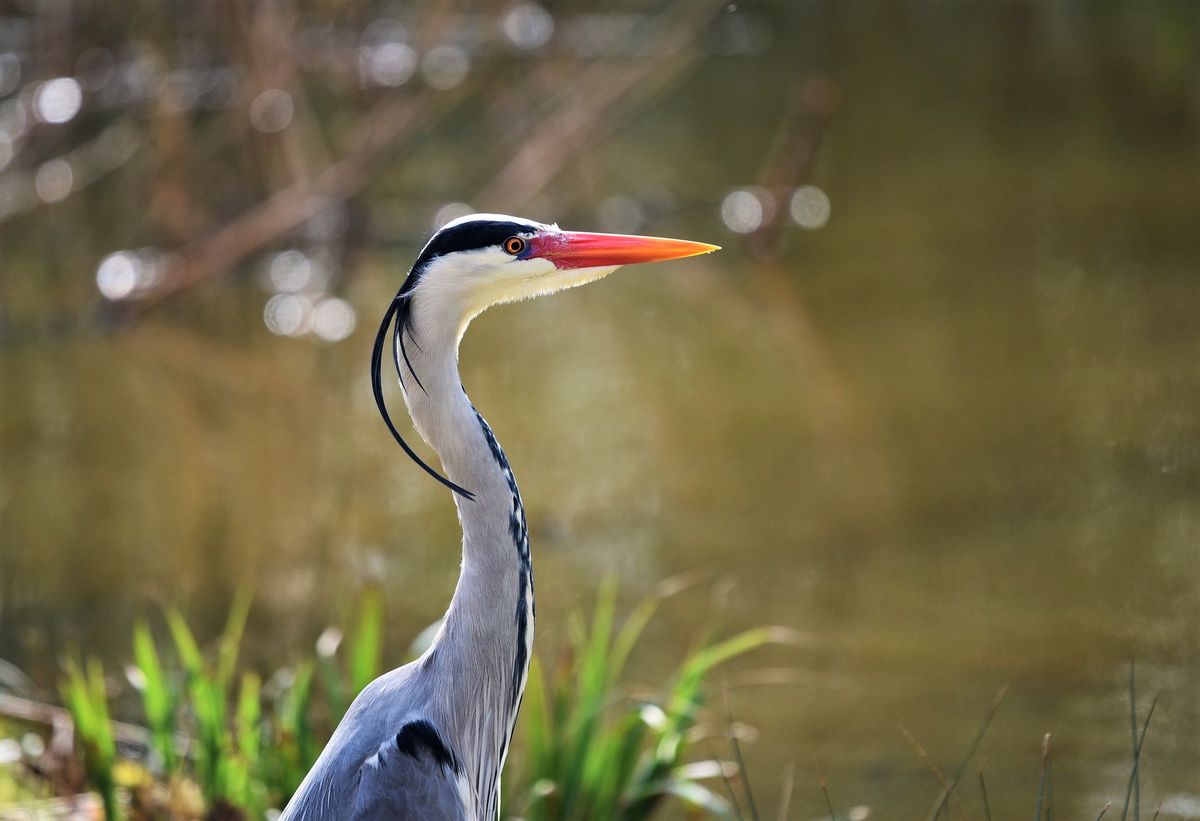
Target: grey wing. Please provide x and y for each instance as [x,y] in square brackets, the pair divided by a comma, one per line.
[412,777]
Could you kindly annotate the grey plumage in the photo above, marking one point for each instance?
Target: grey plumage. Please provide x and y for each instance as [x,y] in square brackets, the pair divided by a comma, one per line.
[416,787]
[468,685]
[401,777]
[428,740]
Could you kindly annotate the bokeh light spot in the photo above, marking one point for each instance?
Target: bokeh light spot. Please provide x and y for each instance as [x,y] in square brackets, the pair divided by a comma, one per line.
[33,745]
[10,72]
[272,110]
[287,314]
[620,214]
[810,207]
[333,319]
[290,271]
[117,276]
[387,64]
[54,180]
[742,211]
[58,101]
[528,26]
[13,120]
[444,67]
[123,274]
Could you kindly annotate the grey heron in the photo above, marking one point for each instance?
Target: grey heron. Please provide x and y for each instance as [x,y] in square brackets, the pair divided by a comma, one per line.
[428,740]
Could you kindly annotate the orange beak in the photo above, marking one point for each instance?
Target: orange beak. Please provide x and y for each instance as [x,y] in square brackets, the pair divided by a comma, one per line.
[578,249]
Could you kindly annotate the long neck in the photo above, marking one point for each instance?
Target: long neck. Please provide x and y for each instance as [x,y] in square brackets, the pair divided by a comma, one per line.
[486,638]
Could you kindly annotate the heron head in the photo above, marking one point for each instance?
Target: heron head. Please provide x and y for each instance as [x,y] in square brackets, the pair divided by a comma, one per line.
[482,260]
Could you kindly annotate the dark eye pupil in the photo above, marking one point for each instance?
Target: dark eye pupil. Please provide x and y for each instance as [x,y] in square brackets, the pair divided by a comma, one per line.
[514,245]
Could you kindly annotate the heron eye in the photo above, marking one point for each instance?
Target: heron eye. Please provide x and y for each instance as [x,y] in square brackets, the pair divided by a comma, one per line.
[514,245]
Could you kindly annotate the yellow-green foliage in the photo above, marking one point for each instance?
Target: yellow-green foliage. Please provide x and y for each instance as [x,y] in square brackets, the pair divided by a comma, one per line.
[595,753]
[240,744]
[84,695]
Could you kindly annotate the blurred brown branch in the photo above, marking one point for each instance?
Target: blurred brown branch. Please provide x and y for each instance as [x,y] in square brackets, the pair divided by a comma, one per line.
[597,105]
[84,165]
[289,208]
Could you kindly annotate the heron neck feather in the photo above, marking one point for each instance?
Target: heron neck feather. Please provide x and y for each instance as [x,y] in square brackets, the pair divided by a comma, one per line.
[486,637]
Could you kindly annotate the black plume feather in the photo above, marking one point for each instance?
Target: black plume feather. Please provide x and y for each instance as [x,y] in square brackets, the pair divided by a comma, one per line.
[398,312]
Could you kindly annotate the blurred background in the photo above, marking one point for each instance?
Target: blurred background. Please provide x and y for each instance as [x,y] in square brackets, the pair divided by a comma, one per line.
[935,404]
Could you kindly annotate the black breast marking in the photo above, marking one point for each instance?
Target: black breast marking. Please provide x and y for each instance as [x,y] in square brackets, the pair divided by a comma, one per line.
[419,737]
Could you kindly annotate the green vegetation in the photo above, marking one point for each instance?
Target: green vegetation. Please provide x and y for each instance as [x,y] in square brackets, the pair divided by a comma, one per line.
[1044,807]
[589,746]
[220,744]
[85,696]
[594,752]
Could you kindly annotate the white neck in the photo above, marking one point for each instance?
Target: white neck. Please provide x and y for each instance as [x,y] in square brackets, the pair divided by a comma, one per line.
[486,639]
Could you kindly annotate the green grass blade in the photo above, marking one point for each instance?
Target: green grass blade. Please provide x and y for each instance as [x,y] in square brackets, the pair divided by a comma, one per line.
[1049,785]
[208,708]
[628,635]
[684,700]
[709,657]
[727,782]
[335,691]
[1133,741]
[591,696]
[592,752]
[594,656]
[1137,757]
[366,645]
[231,638]
[249,717]
[828,800]
[537,719]
[631,737]
[219,773]
[250,792]
[597,772]
[690,793]
[75,696]
[987,807]
[158,696]
[153,686]
[294,735]
[1041,796]
[97,693]
[744,772]
[785,792]
[185,643]
[948,790]
[86,698]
